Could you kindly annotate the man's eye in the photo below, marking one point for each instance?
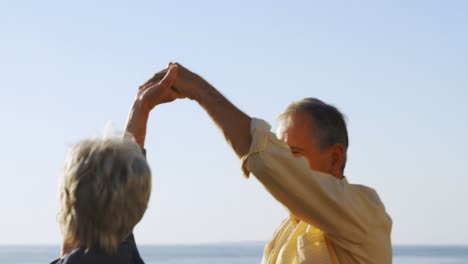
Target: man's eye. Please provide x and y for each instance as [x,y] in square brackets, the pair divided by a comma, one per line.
[295,153]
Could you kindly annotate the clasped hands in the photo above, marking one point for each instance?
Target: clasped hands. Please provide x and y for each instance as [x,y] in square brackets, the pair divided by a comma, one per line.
[165,86]
[172,83]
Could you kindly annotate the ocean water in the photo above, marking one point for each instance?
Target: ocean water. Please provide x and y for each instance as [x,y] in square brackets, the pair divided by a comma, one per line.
[248,253]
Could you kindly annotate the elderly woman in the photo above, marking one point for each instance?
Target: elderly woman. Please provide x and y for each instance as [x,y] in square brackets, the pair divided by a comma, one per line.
[107,184]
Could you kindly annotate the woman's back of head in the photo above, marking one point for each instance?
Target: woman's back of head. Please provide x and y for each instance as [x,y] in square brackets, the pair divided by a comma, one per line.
[104,194]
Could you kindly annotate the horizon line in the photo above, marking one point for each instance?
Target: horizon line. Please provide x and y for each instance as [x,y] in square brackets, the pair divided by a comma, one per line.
[225,243]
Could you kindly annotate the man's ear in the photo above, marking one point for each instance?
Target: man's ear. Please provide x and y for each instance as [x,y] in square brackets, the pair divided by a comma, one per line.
[337,159]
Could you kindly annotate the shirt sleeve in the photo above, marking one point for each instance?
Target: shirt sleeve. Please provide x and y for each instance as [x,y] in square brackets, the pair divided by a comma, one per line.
[336,207]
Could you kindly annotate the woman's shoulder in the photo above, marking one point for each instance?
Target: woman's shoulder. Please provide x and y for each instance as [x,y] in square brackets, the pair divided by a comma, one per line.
[73,257]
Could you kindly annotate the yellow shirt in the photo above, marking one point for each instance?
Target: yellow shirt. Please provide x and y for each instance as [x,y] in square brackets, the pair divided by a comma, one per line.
[340,222]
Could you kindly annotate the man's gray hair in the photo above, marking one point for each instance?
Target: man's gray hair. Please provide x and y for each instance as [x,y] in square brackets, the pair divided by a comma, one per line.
[105,192]
[329,122]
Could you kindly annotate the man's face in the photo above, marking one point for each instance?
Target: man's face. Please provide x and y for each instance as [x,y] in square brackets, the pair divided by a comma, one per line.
[297,131]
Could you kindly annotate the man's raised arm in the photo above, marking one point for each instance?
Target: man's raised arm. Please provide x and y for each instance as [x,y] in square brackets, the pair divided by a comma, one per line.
[234,123]
[324,201]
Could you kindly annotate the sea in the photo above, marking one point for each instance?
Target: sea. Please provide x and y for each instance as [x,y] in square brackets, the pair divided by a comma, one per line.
[237,253]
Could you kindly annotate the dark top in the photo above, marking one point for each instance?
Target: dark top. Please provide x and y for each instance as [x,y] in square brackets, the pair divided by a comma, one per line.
[127,253]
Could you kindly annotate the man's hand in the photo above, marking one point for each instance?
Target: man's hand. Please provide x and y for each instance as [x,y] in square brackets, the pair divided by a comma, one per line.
[187,84]
[155,91]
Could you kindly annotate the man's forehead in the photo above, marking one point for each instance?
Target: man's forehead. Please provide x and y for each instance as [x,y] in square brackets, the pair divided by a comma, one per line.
[284,127]
[285,131]
[295,126]
[281,130]
[298,120]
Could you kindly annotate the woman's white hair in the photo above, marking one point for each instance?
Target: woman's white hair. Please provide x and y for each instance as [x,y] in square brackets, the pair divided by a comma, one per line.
[104,194]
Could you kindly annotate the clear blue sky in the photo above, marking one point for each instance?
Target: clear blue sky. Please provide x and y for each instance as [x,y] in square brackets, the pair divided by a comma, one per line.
[398,69]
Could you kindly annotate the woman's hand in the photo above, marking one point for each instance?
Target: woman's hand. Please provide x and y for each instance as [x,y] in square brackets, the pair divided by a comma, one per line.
[157,90]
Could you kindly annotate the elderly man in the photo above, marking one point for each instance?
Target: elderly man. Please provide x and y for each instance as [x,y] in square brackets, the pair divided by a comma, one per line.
[331,221]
